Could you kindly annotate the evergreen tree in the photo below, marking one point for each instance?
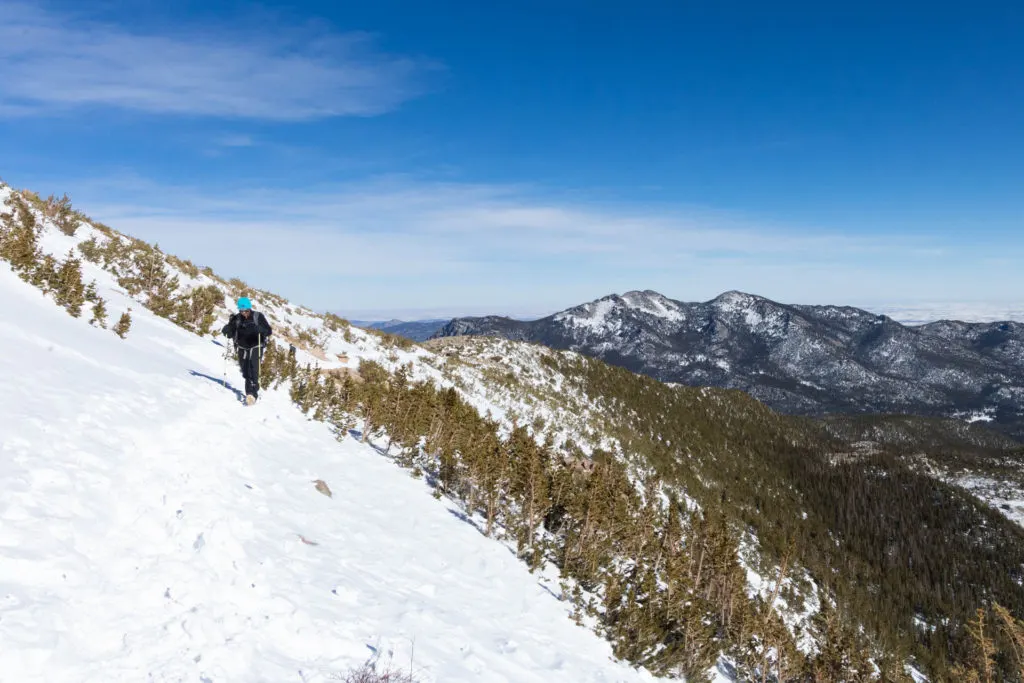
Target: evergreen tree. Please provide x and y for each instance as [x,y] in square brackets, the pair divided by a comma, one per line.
[489,469]
[529,483]
[124,324]
[19,240]
[842,656]
[1013,630]
[44,274]
[980,666]
[69,288]
[99,313]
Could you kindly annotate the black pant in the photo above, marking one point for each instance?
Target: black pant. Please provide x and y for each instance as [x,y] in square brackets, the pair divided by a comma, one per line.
[249,361]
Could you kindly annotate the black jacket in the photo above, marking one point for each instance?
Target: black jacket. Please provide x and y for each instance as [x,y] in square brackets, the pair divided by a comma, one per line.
[248,333]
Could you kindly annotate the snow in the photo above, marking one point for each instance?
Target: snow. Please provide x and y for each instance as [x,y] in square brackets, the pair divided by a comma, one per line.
[153,529]
[915,674]
[1005,496]
[655,304]
[733,301]
[797,618]
[594,316]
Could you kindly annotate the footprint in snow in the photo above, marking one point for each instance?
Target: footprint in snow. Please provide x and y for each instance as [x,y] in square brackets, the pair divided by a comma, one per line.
[200,542]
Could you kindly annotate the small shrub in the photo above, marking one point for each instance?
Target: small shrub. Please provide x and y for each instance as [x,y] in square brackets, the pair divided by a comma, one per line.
[184,265]
[196,310]
[63,216]
[368,673]
[123,325]
[333,322]
[34,199]
[239,288]
[104,228]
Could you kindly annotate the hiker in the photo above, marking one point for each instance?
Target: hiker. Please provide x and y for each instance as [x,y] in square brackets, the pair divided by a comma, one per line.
[250,331]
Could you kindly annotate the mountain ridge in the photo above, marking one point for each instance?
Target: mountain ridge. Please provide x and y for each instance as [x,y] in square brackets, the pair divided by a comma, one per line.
[798,359]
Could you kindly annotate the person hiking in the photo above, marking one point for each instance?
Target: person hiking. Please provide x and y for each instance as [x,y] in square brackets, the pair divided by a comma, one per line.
[250,331]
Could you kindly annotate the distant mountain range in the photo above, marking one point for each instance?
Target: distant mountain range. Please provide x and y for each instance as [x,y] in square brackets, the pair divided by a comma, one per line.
[811,360]
[417,330]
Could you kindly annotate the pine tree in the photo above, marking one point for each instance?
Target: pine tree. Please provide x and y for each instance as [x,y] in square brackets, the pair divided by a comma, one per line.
[980,666]
[161,297]
[373,395]
[44,274]
[842,656]
[270,365]
[69,289]
[1013,629]
[99,313]
[530,483]
[490,471]
[124,324]
[91,250]
[19,240]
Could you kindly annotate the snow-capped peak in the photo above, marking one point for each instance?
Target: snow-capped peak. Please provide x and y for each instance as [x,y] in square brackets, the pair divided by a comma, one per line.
[605,314]
[653,303]
[735,300]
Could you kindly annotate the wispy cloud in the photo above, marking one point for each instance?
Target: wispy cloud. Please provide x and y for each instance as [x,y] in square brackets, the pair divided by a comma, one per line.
[404,243]
[52,62]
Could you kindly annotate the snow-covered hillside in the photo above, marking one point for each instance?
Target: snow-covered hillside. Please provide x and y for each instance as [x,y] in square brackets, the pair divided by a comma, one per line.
[151,528]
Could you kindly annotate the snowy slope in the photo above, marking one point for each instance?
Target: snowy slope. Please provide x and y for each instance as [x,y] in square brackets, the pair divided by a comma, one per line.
[153,529]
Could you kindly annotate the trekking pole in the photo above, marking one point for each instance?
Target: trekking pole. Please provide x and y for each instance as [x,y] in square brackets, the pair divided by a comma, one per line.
[259,361]
[224,376]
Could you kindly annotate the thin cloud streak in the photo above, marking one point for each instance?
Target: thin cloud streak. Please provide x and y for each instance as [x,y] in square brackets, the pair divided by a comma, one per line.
[53,63]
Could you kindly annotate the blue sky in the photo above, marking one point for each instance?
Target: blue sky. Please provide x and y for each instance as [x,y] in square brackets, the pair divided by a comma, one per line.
[416,159]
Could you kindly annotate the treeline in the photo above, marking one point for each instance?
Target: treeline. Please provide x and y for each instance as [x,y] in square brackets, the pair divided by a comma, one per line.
[140,268]
[19,246]
[142,271]
[904,555]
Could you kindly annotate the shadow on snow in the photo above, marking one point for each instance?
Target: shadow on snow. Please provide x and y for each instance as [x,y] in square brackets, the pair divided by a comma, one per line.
[227,385]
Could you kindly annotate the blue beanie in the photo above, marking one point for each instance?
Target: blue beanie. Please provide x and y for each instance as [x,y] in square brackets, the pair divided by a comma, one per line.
[244,304]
